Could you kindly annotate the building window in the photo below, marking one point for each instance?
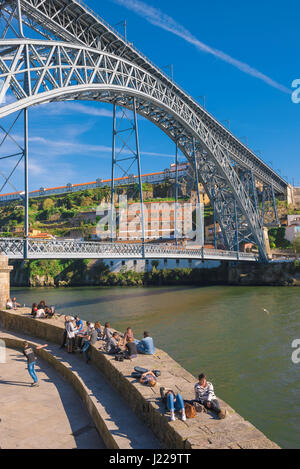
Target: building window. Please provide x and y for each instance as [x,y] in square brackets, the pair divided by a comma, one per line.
[111,263]
[165,261]
[134,262]
[177,261]
[123,262]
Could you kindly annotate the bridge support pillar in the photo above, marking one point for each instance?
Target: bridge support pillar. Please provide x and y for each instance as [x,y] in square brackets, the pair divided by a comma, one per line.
[267,243]
[5,270]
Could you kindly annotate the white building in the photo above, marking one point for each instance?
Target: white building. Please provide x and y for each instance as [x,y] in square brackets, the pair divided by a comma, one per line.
[292,231]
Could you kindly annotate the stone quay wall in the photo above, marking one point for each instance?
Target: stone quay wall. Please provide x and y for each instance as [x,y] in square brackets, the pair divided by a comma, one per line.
[202,432]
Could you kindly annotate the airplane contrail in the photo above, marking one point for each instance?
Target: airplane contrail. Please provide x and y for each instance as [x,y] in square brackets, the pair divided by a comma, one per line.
[166,22]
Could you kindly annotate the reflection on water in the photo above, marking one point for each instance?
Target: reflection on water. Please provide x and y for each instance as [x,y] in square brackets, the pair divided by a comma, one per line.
[240,336]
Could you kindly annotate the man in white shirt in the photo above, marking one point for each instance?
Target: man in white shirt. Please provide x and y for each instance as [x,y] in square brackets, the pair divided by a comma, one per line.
[204,393]
[70,328]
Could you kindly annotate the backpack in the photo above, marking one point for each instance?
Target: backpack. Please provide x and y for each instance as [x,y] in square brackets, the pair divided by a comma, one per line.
[119,357]
[190,410]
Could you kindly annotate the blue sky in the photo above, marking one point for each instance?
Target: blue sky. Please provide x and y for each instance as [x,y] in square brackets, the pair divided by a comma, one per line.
[243,56]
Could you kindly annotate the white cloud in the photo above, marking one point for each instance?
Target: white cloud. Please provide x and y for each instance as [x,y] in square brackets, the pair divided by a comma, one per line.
[63,147]
[160,155]
[163,21]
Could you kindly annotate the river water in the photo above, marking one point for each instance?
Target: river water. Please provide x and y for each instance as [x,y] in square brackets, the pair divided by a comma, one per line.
[239,336]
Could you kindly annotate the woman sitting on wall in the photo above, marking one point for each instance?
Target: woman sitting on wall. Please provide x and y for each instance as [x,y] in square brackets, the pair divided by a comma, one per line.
[128,335]
[131,350]
[34,309]
[98,329]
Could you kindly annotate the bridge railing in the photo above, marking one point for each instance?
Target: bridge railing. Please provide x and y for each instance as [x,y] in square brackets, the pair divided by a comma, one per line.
[51,249]
[43,192]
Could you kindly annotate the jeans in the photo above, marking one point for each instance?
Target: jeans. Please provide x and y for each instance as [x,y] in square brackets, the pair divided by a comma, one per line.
[214,405]
[31,371]
[144,349]
[85,349]
[64,339]
[176,404]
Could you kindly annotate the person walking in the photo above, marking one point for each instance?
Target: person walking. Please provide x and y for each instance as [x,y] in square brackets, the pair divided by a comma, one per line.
[28,352]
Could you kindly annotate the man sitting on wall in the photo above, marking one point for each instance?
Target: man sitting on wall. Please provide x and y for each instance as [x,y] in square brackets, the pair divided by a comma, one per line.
[146,345]
[205,395]
[113,344]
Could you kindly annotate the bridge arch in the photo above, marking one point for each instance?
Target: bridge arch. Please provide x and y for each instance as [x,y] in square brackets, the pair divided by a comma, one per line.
[45,71]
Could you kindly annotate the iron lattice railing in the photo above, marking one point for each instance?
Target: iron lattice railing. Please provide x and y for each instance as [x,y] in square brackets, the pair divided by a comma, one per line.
[72,249]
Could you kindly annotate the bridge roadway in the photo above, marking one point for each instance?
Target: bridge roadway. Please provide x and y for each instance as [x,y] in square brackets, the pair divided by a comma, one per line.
[13,248]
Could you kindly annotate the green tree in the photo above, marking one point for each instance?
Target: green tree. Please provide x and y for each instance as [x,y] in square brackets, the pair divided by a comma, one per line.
[296,245]
[48,204]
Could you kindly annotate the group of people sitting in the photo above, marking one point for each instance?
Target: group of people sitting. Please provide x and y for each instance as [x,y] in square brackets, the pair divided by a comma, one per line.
[38,310]
[205,398]
[115,343]
[79,337]
[12,303]
[42,311]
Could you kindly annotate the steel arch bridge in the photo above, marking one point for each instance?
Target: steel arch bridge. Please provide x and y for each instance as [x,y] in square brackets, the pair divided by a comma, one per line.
[80,57]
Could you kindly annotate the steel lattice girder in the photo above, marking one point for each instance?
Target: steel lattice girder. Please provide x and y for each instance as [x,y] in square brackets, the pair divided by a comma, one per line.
[54,249]
[75,22]
[44,71]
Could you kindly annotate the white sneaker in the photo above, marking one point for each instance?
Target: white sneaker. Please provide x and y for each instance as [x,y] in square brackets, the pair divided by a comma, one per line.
[172,418]
[183,416]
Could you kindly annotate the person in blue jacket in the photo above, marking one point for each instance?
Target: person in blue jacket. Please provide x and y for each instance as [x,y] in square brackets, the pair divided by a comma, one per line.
[146,345]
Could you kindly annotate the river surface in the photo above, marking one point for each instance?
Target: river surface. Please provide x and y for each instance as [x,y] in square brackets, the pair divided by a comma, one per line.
[239,336]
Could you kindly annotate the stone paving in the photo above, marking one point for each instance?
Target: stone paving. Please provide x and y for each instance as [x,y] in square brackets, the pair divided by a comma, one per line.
[47,417]
[126,428]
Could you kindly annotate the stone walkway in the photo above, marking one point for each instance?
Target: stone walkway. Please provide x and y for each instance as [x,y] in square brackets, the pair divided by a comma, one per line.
[125,427]
[49,417]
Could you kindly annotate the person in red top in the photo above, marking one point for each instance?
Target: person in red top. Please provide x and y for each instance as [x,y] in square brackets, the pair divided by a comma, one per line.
[34,309]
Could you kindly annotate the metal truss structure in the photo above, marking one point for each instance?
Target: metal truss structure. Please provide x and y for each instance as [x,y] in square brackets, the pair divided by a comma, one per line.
[126,158]
[82,57]
[55,249]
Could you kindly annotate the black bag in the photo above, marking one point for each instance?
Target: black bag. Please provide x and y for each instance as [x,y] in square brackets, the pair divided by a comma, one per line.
[119,357]
[140,370]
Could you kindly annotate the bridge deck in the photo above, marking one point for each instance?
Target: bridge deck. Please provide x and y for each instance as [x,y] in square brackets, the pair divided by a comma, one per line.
[13,248]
